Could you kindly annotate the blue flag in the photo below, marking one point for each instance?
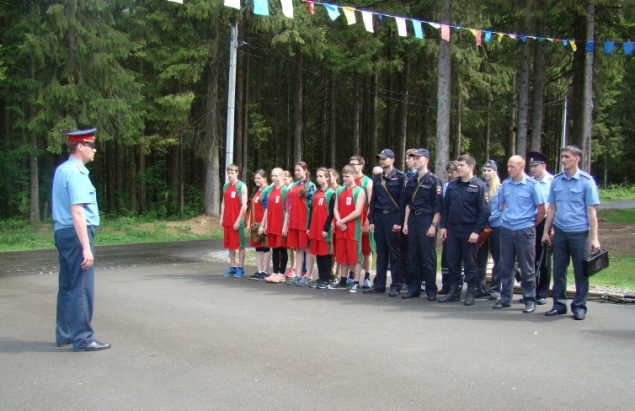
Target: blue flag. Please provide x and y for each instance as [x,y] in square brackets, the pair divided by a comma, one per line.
[333,11]
[488,36]
[589,46]
[261,7]
[627,46]
[609,46]
[417,26]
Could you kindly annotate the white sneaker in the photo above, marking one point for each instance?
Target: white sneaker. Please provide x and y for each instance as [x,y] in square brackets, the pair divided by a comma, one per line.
[354,288]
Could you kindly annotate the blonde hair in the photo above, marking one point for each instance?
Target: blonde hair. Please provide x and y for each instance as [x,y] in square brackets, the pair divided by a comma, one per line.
[494,184]
[232,167]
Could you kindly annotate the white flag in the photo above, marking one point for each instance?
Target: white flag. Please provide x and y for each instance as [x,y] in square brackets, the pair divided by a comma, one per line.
[367,16]
[232,3]
[401,26]
[177,1]
[287,8]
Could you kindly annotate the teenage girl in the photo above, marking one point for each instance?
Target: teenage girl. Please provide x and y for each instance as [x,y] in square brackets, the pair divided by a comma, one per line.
[256,210]
[274,217]
[320,228]
[298,203]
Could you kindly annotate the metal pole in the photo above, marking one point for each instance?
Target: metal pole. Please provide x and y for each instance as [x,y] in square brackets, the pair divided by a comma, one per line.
[563,141]
[231,96]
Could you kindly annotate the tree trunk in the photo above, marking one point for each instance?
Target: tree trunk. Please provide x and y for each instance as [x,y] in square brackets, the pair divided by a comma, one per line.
[539,80]
[143,205]
[332,120]
[511,138]
[132,182]
[34,185]
[459,123]
[119,170]
[587,120]
[444,97]
[239,121]
[488,129]
[373,114]
[298,107]
[403,114]
[523,92]
[210,136]
[245,159]
[356,115]
[576,100]
[110,178]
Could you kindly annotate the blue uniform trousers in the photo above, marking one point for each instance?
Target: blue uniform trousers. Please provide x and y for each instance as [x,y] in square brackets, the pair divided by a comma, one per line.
[422,254]
[388,249]
[544,271]
[518,245]
[460,250]
[493,246]
[76,290]
[569,246]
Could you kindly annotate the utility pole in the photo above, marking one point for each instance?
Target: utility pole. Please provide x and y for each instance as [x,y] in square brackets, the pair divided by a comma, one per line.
[231,96]
[563,138]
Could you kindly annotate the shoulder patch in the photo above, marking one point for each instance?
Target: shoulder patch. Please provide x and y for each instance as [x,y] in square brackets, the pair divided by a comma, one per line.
[486,196]
[439,189]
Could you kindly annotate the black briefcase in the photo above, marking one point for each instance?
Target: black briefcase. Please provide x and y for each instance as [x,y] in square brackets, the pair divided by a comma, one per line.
[595,263]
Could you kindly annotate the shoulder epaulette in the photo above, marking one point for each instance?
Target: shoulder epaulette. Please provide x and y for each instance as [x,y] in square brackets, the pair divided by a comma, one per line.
[533,180]
[559,174]
[585,174]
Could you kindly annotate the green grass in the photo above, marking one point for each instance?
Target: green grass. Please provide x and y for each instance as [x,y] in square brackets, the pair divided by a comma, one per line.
[617,216]
[617,192]
[618,274]
[19,235]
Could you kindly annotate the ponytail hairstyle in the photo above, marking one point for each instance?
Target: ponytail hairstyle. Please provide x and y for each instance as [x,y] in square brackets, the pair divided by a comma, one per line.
[334,176]
[494,184]
[307,178]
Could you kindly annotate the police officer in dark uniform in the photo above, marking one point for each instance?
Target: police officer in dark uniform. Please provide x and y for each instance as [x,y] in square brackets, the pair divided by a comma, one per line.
[76,217]
[422,201]
[385,217]
[464,216]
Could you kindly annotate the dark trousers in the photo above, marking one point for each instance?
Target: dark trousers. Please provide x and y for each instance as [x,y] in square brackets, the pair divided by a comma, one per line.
[279,257]
[76,291]
[493,246]
[388,249]
[543,273]
[460,250]
[569,246]
[445,274]
[422,254]
[518,245]
[324,263]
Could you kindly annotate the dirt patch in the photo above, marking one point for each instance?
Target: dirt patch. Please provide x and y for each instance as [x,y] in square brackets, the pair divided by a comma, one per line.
[202,224]
[618,238]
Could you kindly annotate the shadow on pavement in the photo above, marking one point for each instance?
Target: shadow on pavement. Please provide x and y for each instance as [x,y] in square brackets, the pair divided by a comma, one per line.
[11,346]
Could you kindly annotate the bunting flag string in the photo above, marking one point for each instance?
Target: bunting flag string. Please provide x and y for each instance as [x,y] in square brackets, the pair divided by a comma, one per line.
[261,7]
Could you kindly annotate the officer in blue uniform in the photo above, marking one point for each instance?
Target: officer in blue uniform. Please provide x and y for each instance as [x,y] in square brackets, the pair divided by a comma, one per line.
[573,197]
[385,218]
[464,216]
[523,206]
[538,168]
[422,202]
[76,217]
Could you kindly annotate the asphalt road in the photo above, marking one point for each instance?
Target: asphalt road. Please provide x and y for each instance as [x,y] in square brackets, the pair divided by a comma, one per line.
[617,204]
[184,337]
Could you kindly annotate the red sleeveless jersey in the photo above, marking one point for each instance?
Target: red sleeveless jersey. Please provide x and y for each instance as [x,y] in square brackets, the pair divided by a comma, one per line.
[346,200]
[233,204]
[275,208]
[299,213]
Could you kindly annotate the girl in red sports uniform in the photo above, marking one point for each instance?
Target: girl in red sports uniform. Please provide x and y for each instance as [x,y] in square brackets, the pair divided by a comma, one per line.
[298,202]
[287,180]
[257,207]
[320,225]
[274,220]
[335,184]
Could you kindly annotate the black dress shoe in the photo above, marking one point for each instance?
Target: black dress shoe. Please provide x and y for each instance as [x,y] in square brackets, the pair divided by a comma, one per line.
[541,301]
[530,307]
[96,346]
[479,294]
[579,315]
[432,297]
[443,291]
[410,294]
[374,290]
[500,304]
[555,311]
[394,292]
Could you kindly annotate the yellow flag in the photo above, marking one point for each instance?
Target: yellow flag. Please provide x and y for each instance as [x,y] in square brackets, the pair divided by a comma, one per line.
[349,12]
[573,46]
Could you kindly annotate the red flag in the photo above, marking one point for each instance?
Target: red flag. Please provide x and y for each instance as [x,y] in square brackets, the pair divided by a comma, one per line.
[445,32]
[311,5]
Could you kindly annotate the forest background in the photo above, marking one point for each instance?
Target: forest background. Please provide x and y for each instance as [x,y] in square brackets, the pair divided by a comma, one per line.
[152,77]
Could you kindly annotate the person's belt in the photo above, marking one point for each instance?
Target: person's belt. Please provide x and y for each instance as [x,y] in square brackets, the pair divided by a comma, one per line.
[420,212]
[386,211]
[461,224]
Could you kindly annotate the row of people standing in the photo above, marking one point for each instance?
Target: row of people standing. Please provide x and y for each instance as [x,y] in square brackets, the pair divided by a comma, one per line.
[404,212]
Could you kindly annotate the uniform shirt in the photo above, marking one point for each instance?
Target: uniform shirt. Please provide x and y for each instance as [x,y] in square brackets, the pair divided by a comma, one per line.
[275,209]
[572,196]
[520,201]
[299,207]
[72,186]
[466,203]
[394,184]
[545,185]
[322,215]
[424,195]
[233,203]
[495,211]
[258,205]
[346,200]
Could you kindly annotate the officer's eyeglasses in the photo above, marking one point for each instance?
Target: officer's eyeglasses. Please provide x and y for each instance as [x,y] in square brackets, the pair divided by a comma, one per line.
[353,164]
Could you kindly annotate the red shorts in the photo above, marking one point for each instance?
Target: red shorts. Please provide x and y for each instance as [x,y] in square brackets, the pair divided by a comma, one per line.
[348,252]
[318,247]
[275,241]
[368,243]
[297,239]
[233,239]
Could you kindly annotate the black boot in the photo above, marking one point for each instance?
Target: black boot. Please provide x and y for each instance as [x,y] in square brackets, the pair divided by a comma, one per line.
[469,296]
[444,290]
[453,293]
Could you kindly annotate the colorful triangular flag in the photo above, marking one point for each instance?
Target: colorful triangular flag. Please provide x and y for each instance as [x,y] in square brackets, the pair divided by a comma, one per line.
[573,45]
[261,7]
[287,8]
[401,26]
[233,3]
[445,32]
[609,46]
[367,16]
[416,25]
[349,13]
[333,11]
[627,47]
[589,46]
